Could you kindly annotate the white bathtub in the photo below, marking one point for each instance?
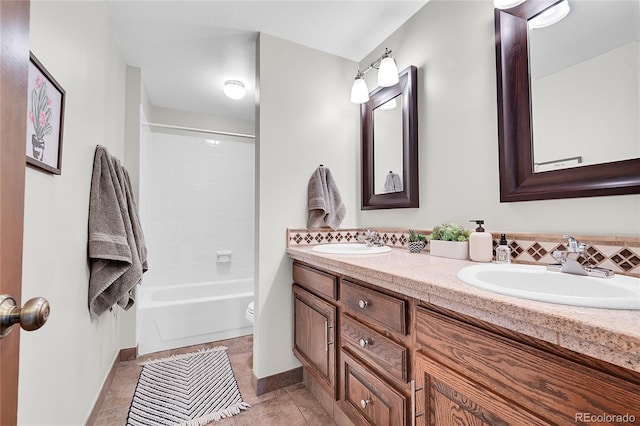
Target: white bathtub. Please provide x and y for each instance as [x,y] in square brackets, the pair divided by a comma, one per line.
[189,314]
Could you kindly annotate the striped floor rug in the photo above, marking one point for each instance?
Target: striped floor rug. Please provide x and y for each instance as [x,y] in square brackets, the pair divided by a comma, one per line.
[189,389]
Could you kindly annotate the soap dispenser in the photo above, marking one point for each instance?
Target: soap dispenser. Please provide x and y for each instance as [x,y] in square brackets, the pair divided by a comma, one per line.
[503,251]
[480,244]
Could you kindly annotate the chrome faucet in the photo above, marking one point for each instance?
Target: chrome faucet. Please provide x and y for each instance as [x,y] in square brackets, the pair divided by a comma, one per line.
[370,238]
[570,263]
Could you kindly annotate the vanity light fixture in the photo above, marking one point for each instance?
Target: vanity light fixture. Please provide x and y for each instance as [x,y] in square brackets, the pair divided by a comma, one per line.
[387,77]
[234,89]
[550,16]
[506,4]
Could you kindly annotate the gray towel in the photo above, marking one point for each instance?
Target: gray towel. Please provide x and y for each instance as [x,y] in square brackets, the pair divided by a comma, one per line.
[393,183]
[325,202]
[117,252]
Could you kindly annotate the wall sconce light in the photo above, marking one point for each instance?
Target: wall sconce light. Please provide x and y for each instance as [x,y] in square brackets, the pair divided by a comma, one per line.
[234,89]
[550,16]
[387,77]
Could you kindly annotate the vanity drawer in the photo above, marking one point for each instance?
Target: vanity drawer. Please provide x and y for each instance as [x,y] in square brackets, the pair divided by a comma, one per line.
[369,400]
[318,282]
[378,308]
[543,383]
[375,348]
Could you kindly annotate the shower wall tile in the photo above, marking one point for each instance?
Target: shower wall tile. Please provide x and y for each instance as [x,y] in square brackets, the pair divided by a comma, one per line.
[198,199]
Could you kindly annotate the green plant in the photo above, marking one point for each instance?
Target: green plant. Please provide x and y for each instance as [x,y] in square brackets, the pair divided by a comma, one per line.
[450,232]
[414,236]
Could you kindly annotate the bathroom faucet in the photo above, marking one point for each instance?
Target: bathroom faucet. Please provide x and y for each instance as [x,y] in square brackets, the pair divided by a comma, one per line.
[370,238]
[568,261]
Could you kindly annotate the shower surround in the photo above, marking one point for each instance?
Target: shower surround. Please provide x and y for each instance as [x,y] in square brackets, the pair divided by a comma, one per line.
[196,200]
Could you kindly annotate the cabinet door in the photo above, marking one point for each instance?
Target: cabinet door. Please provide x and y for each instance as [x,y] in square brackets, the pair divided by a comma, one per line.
[314,337]
[444,397]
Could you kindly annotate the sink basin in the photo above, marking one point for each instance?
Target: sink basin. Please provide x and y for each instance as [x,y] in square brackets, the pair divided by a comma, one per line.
[537,283]
[350,249]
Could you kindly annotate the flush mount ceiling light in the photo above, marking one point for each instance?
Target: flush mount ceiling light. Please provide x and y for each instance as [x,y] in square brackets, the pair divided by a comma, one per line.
[550,16]
[506,4]
[389,105]
[387,77]
[234,89]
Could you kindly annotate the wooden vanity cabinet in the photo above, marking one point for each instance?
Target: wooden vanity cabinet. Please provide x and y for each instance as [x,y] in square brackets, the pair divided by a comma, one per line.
[387,359]
[469,374]
[315,313]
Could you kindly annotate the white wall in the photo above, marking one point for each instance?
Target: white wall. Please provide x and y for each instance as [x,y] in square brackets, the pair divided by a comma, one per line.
[452,44]
[201,121]
[304,119]
[63,365]
[568,123]
[200,200]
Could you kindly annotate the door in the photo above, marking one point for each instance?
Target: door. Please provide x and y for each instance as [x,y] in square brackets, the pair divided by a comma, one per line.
[14,62]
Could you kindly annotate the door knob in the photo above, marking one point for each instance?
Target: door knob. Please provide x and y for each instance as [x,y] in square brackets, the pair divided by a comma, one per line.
[31,316]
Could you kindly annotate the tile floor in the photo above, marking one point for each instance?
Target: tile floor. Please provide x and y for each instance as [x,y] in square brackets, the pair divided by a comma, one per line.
[290,406]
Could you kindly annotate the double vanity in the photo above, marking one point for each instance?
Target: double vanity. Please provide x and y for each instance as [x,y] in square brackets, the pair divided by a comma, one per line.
[396,338]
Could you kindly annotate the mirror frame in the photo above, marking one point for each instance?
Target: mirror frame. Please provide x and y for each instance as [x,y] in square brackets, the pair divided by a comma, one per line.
[518,182]
[407,87]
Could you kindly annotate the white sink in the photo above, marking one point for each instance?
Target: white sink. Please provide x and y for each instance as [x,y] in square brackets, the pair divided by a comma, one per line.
[537,283]
[350,249]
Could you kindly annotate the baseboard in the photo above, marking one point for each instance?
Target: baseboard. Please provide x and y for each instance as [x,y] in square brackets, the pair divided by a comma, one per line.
[277,381]
[126,354]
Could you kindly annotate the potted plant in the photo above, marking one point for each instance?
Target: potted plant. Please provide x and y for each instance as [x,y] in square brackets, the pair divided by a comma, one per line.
[450,240]
[416,241]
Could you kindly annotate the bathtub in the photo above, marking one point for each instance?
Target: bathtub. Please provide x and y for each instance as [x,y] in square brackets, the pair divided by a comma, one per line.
[180,315]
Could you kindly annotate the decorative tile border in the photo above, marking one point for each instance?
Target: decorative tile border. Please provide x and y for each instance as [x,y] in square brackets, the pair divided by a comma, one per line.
[620,254]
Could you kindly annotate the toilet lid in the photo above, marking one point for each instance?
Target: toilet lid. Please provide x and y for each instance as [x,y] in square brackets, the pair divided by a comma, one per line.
[250,308]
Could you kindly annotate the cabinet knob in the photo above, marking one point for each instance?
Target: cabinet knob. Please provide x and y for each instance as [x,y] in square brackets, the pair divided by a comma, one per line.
[364,403]
[364,342]
[362,303]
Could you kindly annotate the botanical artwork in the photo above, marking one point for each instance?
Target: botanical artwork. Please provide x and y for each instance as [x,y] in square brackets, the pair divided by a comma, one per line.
[45,108]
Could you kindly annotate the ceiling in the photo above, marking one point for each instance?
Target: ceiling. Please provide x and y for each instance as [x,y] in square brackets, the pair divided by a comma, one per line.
[186,49]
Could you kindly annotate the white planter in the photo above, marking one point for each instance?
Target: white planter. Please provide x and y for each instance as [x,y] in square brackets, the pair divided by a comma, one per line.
[452,249]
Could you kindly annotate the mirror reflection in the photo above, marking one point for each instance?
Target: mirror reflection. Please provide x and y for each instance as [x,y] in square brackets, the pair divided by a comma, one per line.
[585,86]
[387,152]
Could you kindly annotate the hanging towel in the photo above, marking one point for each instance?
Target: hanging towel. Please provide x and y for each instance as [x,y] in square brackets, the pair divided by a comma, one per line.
[117,252]
[393,183]
[325,203]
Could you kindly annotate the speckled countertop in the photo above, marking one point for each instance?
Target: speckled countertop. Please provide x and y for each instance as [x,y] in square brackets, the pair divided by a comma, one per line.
[607,334]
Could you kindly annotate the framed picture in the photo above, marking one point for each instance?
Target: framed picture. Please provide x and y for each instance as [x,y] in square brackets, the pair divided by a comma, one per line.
[45,118]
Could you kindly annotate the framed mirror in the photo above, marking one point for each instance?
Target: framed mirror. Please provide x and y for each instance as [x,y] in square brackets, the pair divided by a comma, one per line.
[568,176]
[389,135]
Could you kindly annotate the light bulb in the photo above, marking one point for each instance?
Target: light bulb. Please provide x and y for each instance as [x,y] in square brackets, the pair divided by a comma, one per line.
[234,89]
[550,16]
[359,91]
[388,73]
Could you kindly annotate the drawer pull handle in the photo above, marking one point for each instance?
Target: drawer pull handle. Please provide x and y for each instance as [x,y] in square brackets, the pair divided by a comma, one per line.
[364,342]
[364,403]
[363,303]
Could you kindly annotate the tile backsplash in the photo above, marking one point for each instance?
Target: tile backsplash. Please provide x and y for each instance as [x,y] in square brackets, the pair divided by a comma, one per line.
[620,254]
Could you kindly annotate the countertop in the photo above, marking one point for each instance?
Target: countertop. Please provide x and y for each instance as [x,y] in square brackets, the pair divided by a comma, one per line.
[607,334]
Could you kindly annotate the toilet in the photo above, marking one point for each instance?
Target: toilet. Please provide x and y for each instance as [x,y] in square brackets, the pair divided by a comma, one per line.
[249,313]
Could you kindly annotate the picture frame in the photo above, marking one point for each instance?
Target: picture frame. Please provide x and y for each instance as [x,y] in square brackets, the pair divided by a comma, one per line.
[45,118]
